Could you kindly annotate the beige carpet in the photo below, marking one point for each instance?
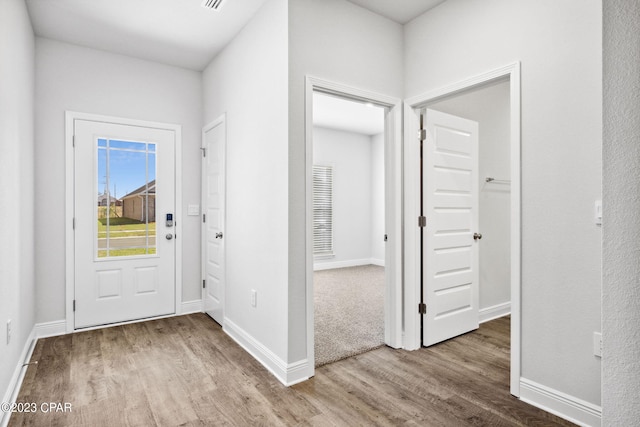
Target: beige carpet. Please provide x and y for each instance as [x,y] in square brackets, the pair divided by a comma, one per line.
[349,311]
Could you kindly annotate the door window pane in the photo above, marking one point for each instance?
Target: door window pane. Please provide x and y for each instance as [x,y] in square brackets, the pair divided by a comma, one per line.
[126,198]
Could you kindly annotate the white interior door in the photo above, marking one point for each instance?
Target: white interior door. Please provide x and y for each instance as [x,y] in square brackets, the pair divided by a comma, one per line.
[450,252]
[124,258]
[213,202]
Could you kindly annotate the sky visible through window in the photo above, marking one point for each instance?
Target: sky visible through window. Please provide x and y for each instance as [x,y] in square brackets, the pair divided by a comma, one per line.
[128,166]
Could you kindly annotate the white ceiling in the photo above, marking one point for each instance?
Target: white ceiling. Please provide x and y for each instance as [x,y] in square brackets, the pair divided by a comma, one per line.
[346,115]
[175,32]
[401,11]
[184,34]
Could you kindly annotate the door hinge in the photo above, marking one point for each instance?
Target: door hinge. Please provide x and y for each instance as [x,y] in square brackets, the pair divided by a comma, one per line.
[204,283]
[74,223]
[386,237]
[204,151]
[73,141]
[422,221]
[74,305]
[422,308]
[204,217]
[422,134]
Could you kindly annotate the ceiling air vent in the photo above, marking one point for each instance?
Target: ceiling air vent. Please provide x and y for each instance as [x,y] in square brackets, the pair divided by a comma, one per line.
[211,4]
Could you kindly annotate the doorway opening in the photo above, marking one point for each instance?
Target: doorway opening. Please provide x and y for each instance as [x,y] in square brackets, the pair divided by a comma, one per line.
[348,227]
[487,228]
[489,107]
[353,222]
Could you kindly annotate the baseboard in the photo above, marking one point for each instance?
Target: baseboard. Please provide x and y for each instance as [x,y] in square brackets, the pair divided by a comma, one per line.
[343,264]
[563,405]
[11,394]
[194,306]
[59,327]
[50,329]
[378,262]
[287,374]
[495,311]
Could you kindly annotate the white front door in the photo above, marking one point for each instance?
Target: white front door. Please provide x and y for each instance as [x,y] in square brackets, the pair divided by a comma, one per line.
[213,202]
[124,245]
[450,252]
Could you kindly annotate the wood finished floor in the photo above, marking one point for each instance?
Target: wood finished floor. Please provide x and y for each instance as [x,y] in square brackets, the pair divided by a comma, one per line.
[184,371]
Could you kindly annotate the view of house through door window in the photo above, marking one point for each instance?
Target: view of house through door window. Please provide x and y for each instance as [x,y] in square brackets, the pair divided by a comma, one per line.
[126,225]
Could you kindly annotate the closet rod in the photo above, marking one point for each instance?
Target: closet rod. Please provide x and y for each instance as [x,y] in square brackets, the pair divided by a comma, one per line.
[500,181]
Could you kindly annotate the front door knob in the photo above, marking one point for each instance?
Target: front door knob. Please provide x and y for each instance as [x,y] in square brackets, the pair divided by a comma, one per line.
[477,236]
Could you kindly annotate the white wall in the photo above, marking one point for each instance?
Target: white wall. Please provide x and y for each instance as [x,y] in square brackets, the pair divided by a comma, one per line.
[248,82]
[16,189]
[350,155]
[621,222]
[489,106]
[377,199]
[559,46]
[79,79]
[338,41]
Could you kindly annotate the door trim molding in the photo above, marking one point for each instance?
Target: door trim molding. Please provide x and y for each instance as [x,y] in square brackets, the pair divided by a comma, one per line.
[70,117]
[393,159]
[411,247]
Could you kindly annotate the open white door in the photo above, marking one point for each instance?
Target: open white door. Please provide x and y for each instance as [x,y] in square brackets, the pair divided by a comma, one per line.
[213,207]
[124,206]
[450,252]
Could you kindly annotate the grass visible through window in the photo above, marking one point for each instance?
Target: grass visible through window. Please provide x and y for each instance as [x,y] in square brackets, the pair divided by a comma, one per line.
[124,227]
[119,228]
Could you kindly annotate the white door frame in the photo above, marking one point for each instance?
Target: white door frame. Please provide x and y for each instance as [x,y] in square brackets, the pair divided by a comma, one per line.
[393,206]
[203,197]
[70,117]
[412,242]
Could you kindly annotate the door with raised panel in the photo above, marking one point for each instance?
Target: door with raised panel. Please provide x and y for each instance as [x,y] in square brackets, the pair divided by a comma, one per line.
[124,238]
[213,202]
[450,251]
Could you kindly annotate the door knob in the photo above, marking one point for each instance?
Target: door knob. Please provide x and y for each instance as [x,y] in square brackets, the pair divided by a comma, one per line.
[219,235]
[169,236]
[477,236]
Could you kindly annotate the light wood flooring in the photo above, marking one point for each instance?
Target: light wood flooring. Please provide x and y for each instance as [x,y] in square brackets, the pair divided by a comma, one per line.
[184,371]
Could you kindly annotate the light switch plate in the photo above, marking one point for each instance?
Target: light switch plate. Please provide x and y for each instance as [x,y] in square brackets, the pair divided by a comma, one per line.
[193,210]
[597,344]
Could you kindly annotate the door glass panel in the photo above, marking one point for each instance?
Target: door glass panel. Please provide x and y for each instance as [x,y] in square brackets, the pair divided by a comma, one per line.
[126,198]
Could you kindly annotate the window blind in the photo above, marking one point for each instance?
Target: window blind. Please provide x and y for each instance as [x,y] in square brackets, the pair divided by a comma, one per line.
[322,210]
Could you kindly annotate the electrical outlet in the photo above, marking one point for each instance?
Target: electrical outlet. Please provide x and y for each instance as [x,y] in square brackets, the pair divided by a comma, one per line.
[597,344]
[8,331]
[254,297]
